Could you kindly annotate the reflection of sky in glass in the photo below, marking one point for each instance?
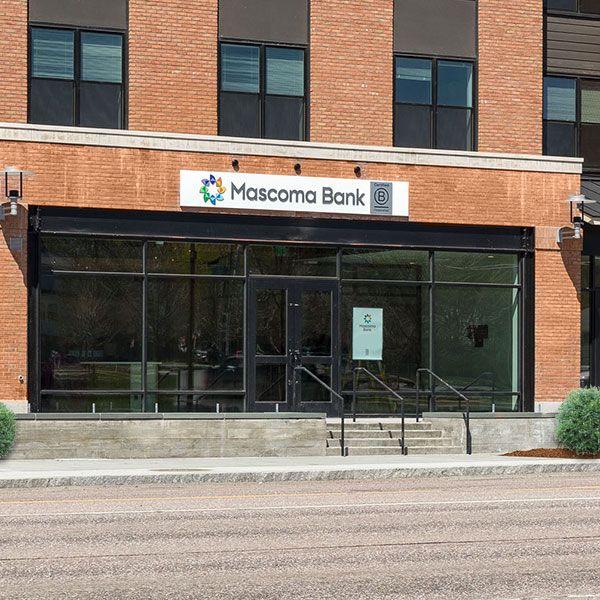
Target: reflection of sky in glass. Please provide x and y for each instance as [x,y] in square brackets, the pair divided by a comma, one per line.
[413,80]
[52,53]
[101,58]
[240,68]
[285,71]
[455,84]
[559,99]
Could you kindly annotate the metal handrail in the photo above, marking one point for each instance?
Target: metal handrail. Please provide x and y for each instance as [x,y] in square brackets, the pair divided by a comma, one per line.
[388,388]
[466,416]
[332,391]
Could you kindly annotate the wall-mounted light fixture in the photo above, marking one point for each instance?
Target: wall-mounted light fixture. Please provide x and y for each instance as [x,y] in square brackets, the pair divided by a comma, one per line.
[235,163]
[298,168]
[357,171]
[579,200]
[13,190]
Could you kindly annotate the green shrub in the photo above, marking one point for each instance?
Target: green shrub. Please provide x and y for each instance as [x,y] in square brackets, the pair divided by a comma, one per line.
[579,421]
[7,429]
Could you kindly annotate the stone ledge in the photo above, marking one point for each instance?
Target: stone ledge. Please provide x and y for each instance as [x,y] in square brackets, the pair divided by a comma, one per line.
[163,416]
[177,142]
[488,415]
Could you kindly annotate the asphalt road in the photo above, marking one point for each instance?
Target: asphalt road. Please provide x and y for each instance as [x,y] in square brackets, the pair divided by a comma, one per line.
[446,538]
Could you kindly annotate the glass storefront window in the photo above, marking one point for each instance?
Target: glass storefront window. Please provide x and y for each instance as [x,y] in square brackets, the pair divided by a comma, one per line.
[86,254]
[476,267]
[476,338]
[585,272]
[585,339]
[91,332]
[195,326]
[300,261]
[195,334]
[405,332]
[195,259]
[390,264]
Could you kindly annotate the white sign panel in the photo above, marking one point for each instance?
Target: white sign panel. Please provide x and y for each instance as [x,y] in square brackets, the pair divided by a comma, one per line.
[367,333]
[249,191]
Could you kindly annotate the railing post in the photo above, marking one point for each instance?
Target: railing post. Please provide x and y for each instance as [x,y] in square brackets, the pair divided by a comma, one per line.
[354,375]
[417,400]
[342,436]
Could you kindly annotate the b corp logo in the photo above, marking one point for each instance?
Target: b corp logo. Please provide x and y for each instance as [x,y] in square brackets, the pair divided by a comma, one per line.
[382,196]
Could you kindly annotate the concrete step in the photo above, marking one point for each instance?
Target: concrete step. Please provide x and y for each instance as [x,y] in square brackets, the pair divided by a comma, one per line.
[436,450]
[385,450]
[395,433]
[366,451]
[349,425]
[355,443]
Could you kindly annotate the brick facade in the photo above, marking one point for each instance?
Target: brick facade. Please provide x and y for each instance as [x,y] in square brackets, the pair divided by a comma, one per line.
[172,87]
[511,44]
[13,69]
[351,96]
[173,65]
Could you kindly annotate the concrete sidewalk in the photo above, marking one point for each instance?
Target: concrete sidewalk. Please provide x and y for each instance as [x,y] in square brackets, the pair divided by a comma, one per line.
[68,472]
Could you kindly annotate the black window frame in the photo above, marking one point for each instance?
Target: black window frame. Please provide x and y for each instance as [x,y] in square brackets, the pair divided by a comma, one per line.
[577,11]
[262,93]
[578,122]
[434,106]
[77,79]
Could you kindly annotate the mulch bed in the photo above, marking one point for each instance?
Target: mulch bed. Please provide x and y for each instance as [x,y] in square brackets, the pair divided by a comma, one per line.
[551,453]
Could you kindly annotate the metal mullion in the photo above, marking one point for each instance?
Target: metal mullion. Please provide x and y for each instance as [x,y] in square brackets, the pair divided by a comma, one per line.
[475,284]
[193,276]
[144,373]
[431,323]
[90,392]
[263,88]
[77,75]
[399,282]
[97,273]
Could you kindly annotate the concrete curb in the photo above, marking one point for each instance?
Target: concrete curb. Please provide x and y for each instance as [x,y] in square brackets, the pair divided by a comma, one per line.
[313,474]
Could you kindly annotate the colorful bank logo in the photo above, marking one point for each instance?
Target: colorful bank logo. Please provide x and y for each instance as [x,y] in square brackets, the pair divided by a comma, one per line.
[367,318]
[213,190]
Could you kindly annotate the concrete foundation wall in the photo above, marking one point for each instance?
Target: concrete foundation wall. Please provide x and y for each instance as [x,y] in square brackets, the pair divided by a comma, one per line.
[164,436]
[497,432]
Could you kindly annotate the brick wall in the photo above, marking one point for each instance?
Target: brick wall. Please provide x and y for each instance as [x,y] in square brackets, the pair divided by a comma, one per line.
[105,177]
[13,61]
[558,321]
[351,71]
[173,65]
[510,76]
[13,309]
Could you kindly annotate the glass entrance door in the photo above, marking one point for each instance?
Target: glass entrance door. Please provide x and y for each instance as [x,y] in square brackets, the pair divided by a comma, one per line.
[292,323]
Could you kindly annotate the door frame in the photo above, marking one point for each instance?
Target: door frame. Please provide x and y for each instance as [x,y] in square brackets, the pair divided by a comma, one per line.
[293,287]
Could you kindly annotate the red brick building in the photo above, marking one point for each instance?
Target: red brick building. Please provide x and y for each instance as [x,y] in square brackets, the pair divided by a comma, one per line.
[227,189]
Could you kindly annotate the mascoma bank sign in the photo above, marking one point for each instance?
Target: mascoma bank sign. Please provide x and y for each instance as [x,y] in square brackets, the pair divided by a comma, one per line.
[298,194]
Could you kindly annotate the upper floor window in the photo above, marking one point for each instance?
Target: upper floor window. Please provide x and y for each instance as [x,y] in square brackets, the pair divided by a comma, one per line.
[591,7]
[76,78]
[571,115]
[433,103]
[262,92]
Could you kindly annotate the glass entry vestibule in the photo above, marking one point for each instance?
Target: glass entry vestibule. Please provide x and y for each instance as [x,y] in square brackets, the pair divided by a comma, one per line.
[140,314]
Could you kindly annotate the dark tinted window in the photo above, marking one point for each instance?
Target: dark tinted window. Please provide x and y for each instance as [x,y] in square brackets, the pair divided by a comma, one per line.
[412,126]
[453,128]
[51,102]
[422,114]
[262,92]
[570,5]
[284,118]
[100,105]
[590,144]
[239,115]
[560,139]
[76,78]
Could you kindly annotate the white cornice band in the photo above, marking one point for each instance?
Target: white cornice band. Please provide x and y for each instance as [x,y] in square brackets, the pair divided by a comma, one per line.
[177,142]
